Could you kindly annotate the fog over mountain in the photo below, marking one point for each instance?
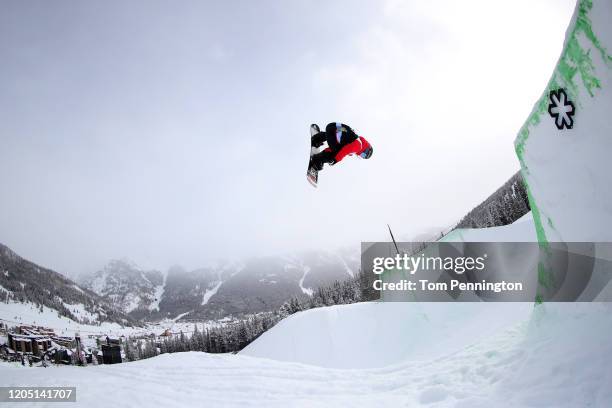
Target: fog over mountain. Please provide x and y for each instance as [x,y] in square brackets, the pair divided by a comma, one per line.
[124,293]
[221,289]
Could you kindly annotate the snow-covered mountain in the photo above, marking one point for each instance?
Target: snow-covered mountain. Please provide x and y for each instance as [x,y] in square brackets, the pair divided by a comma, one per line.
[131,289]
[265,283]
[25,285]
[219,289]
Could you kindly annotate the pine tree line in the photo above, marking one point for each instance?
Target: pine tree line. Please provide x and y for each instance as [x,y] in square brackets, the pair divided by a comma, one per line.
[219,339]
[356,289]
[235,336]
[503,207]
[24,281]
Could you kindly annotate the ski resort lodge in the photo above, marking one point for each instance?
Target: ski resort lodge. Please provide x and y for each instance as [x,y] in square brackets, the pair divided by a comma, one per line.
[29,339]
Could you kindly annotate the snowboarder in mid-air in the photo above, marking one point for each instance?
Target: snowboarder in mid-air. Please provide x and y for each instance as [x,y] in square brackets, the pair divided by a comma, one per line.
[341,141]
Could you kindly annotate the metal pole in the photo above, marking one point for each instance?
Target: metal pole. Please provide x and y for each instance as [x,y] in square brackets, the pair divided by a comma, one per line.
[393,238]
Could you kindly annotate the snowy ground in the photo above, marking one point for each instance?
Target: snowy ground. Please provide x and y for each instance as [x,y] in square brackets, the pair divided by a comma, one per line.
[378,354]
[362,335]
[26,313]
[559,355]
[15,313]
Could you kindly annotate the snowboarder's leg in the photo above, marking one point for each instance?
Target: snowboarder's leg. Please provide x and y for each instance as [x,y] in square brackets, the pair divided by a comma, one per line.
[331,135]
[318,160]
[318,139]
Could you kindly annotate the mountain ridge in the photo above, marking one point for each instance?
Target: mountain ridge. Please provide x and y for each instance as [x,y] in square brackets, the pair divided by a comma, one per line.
[23,281]
[220,289]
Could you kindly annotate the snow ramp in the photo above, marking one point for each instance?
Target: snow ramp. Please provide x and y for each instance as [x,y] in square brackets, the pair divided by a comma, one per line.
[564,147]
[379,334]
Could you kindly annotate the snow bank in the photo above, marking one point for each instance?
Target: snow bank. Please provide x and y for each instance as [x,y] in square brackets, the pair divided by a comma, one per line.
[564,358]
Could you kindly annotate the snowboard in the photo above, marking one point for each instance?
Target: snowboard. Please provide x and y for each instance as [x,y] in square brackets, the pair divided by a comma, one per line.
[312,175]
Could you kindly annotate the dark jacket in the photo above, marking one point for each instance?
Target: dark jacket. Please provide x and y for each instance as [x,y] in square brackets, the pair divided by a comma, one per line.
[339,135]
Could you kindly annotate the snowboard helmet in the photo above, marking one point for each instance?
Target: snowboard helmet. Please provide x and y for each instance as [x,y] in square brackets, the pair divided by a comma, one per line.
[367,153]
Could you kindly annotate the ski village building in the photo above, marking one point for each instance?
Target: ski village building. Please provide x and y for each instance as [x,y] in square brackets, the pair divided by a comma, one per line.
[30,340]
[40,343]
[111,351]
[28,343]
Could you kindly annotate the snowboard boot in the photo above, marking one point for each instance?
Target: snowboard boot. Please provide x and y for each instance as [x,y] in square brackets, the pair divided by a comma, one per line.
[318,160]
[318,139]
[316,163]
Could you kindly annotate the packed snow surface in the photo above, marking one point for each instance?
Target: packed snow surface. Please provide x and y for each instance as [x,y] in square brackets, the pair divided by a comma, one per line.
[362,335]
[557,355]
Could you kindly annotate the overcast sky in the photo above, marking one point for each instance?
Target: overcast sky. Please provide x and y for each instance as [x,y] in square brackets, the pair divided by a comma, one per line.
[177,132]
